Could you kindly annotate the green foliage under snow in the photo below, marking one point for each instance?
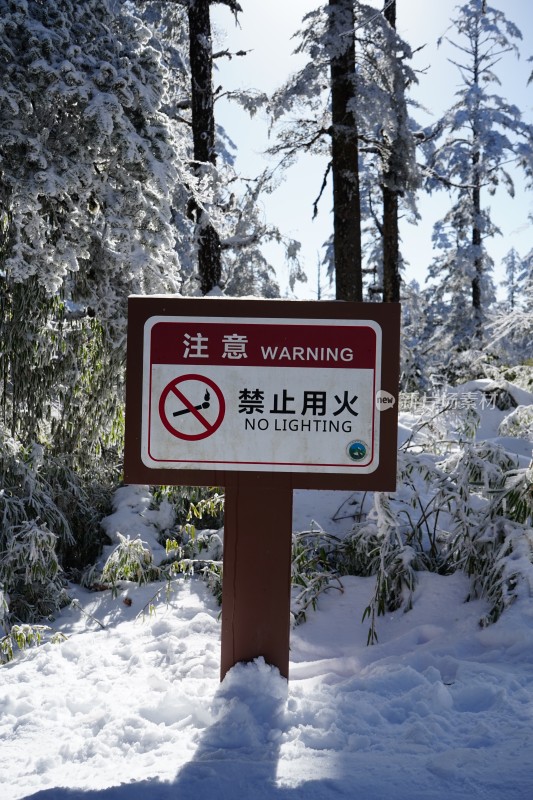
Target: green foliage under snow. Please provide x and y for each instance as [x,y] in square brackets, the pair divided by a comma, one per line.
[461,504]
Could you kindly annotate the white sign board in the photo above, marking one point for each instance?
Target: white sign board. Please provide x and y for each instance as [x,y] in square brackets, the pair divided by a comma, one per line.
[242,393]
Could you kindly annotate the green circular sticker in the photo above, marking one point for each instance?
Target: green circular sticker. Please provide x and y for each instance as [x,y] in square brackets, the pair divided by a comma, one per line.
[357,450]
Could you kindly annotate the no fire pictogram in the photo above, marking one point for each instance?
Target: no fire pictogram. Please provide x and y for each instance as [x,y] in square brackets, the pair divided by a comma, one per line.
[192,407]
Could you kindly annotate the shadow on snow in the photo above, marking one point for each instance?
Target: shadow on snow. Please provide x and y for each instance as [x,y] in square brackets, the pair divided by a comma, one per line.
[237,758]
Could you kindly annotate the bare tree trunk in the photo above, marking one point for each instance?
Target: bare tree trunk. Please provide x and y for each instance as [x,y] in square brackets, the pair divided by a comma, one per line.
[203,129]
[345,154]
[391,250]
[476,208]
[478,258]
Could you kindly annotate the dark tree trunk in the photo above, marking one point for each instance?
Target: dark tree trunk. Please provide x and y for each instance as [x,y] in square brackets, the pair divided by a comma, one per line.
[477,300]
[391,250]
[203,131]
[345,154]
[389,10]
[478,258]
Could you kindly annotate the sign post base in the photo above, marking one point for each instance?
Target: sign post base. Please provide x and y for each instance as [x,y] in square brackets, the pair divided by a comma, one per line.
[257,570]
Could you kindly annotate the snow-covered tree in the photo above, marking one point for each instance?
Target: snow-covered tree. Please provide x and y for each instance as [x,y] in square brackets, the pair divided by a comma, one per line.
[374,101]
[511,329]
[89,168]
[525,280]
[203,132]
[228,227]
[418,325]
[398,171]
[476,140]
[340,49]
[88,160]
[92,171]
[513,273]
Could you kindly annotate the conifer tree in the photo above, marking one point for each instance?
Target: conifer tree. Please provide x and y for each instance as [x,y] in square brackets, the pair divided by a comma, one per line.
[476,139]
[203,132]
[513,274]
[90,175]
[399,173]
[225,229]
[340,45]
[353,50]
[90,165]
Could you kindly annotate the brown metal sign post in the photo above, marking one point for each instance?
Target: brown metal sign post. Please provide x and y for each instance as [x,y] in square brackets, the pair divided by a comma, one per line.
[261,397]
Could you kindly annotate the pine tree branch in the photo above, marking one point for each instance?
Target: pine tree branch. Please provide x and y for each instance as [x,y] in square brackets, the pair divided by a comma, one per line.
[239,242]
[292,149]
[232,4]
[229,54]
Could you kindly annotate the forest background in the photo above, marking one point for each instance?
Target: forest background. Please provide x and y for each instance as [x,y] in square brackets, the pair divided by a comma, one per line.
[438,79]
[115,179]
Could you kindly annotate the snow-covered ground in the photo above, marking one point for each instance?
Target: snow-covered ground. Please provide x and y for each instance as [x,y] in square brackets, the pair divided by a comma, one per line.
[130,706]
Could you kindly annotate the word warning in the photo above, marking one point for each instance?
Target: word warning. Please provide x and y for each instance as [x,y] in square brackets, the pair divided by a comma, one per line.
[243,393]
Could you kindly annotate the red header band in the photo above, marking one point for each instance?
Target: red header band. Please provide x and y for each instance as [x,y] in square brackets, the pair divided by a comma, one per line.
[263,345]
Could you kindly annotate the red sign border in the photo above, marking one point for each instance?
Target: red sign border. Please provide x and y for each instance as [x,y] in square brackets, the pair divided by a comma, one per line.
[141,308]
[245,465]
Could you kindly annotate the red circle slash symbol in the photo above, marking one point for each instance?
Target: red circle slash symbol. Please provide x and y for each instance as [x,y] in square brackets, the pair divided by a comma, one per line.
[194,400]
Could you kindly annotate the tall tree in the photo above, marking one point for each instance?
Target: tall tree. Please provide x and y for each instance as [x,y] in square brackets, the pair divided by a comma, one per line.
[514,271]
[344,151]
[477,138]
[203,132]
[89,165]
[221,244]
[390,175]
[348,103]
[390,187]
[511,334]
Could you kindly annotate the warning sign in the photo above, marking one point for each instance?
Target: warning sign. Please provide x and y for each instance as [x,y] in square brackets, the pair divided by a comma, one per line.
[219,387]
[262,394]
[261,397]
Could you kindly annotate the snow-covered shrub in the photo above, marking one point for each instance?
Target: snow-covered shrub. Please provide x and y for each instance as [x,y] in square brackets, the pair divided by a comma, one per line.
[518,424]
[83,497]
[195,552]
[30,572]
[50,522]
[37,485]
[191,503]
[151,539]
[511,338]
[470,511]
[510,572]
[440,424]
[313,570]
[520,375]
[515,502]
[21,636]
[24,493]
[131,560]
[189,551]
